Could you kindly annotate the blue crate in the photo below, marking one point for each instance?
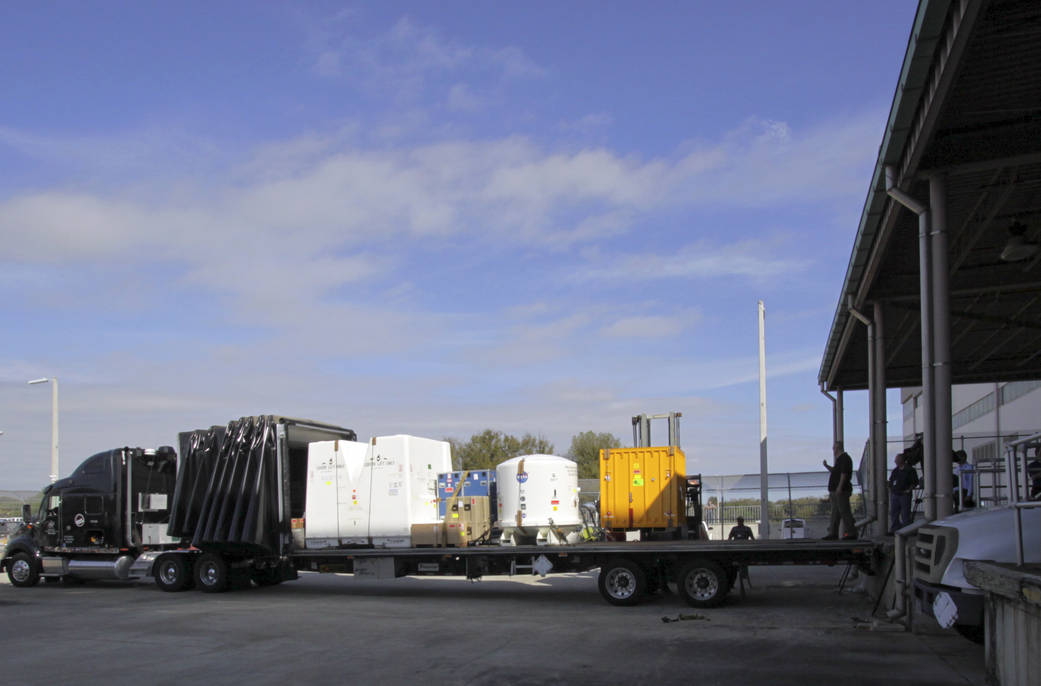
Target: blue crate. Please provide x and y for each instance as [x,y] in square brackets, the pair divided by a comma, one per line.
[478,482]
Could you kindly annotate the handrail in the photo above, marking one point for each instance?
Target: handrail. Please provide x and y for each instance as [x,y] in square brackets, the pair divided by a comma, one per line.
[1013,488]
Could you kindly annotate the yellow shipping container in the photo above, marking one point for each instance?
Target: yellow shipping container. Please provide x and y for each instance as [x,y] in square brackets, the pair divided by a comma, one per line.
[642,488]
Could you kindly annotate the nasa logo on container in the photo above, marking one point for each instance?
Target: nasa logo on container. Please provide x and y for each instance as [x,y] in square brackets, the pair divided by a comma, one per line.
[522,477]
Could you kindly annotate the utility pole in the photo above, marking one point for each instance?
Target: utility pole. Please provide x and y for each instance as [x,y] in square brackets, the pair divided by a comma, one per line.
[54,423]
[764,474]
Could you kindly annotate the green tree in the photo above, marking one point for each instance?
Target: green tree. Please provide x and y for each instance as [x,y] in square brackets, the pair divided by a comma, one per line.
[585,450]
[490,447]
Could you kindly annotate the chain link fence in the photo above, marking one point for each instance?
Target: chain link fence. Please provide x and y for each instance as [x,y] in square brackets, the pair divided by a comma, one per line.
[797,503]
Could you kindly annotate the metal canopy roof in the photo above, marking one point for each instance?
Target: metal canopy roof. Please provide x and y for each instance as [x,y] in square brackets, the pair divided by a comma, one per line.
[968,105]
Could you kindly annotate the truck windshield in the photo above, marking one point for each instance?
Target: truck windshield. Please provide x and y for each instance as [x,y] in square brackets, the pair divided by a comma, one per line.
[48,503]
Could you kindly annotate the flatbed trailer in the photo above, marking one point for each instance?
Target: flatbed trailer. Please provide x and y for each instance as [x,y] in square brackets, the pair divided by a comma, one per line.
[232,515]
[704,571]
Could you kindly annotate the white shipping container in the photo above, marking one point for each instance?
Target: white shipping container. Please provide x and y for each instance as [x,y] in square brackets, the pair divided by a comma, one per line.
[336,503]
[353,490]
[404,486]
[359,493]
[538,499]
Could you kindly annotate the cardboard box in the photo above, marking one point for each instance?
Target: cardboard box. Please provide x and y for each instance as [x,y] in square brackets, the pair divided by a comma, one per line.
[428,535]
[457,535]
[472,515]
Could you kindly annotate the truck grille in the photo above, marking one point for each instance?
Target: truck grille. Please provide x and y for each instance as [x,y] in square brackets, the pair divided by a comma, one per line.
[934,548]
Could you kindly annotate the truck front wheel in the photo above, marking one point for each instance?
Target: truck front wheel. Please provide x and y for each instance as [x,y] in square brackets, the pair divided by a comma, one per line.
[173,573]
[211,573]
[703,583]
[23,571]
[622,582]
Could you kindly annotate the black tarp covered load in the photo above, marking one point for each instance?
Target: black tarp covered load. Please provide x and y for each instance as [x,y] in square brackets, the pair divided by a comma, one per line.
[227,487]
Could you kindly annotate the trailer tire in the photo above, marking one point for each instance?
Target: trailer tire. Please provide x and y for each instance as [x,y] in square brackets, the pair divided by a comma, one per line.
[211,573]
[23,571]
[703,583]
[622,582]
[173,573]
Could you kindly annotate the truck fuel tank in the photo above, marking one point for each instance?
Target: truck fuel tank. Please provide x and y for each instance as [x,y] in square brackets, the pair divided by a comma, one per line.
[118,568]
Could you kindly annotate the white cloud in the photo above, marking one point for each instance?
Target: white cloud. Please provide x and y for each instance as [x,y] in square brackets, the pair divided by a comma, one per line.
[462,99]
[650,326]
[535,342]
[147,150]
[338,211]
[590,123]
[409,57]
[515,63]
[756,260]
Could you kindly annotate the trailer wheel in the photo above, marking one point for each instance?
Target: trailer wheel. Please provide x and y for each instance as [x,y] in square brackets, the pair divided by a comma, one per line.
[622,582]
[22,570]
[211,573]
[703,583]
[173,573]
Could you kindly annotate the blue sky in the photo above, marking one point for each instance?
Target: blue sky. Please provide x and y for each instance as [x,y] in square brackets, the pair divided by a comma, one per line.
[432,218]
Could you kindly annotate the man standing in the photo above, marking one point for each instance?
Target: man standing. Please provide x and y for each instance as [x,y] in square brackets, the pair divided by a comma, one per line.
[741,532]
[902,480]
[840,488]
[964,474]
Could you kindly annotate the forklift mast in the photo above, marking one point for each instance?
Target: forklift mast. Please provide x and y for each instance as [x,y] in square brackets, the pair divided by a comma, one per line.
[642,429]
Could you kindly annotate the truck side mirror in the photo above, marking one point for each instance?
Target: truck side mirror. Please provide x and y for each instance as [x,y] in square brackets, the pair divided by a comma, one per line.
[27,513]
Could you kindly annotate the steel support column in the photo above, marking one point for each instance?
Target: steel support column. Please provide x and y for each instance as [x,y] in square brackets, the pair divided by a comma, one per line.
[879,441]
[839,430]
[925,287]
[928,394]
[941,340]
[874,485]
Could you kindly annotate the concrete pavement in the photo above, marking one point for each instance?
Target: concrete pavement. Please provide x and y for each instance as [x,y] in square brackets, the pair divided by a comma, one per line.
[792,628]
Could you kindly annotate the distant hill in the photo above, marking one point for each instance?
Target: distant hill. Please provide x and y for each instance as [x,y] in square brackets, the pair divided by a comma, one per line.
[11,502]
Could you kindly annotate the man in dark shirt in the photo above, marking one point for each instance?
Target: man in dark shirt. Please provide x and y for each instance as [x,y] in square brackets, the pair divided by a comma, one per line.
[741,532]
[840,488]
[902,480]
[1034,472]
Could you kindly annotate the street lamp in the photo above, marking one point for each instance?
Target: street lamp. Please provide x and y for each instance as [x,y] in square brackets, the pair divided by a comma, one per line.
[54,423]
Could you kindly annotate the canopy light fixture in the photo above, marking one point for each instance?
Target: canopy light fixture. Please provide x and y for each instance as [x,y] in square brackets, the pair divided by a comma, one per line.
[1018,248]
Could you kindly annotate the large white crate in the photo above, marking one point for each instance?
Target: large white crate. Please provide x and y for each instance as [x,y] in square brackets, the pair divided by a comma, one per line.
[362,493]
[337,494]
[404,486]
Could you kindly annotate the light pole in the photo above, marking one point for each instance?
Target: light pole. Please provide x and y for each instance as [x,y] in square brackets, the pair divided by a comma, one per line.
[54,423]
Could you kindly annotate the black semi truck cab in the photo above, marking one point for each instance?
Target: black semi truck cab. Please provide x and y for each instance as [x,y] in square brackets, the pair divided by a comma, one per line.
[96,522]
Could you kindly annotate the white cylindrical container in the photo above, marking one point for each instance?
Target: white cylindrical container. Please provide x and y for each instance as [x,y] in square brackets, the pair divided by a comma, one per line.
[537,499]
